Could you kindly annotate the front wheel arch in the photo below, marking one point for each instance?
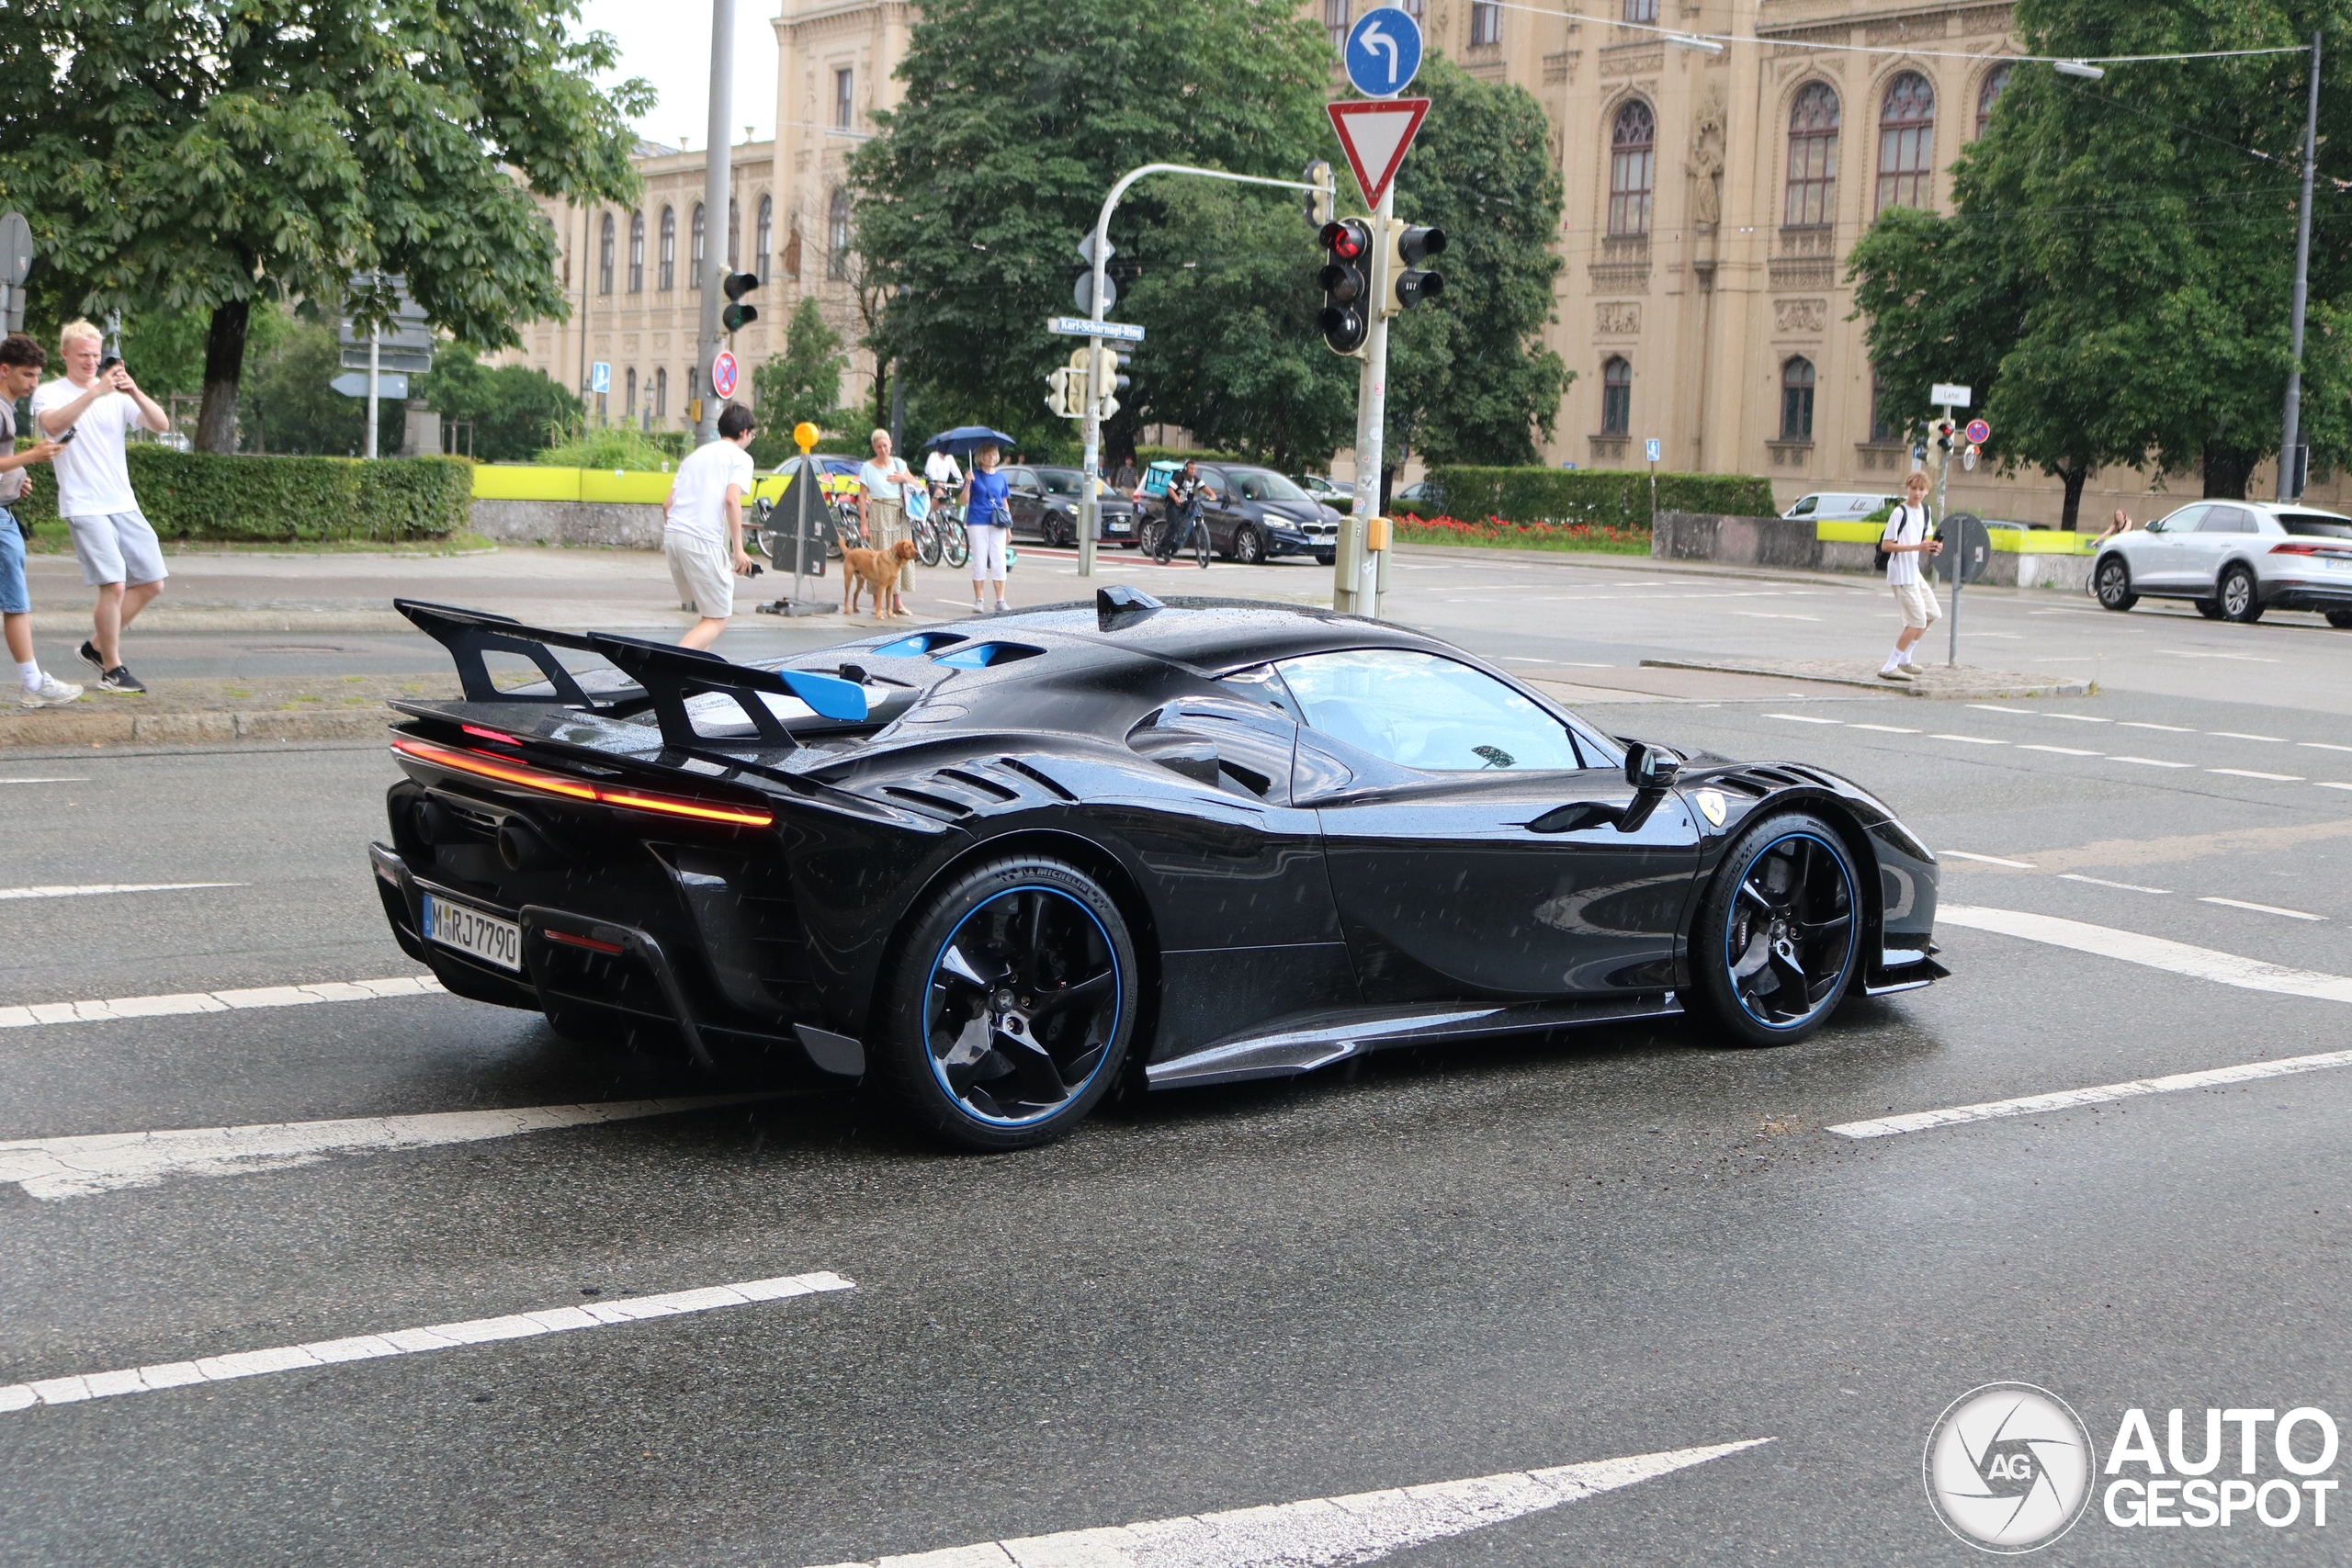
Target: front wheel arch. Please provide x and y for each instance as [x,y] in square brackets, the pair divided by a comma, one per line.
[1838,859]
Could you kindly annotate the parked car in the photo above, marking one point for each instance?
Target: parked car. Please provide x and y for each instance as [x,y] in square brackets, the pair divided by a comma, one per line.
[1258,514]
[1839,506]
[1044,503]
[1422,493]
[2233,559]
[1339,498]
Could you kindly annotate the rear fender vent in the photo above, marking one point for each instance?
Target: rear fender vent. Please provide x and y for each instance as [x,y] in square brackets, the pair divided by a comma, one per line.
[987,655]
[976,780]
[929,801]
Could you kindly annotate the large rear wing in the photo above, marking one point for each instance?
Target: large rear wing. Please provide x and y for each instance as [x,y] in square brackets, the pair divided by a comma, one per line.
[666,674]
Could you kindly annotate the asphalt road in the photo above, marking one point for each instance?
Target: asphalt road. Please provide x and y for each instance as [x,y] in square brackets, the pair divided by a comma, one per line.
[1446,1265]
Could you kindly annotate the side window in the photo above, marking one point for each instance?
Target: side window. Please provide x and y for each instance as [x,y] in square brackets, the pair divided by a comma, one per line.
[1804,508]
[1020,478]
[2184,521]
[2227,520]
[1420,711]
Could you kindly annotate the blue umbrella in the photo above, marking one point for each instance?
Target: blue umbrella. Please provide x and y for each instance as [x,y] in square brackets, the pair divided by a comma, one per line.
[960,441]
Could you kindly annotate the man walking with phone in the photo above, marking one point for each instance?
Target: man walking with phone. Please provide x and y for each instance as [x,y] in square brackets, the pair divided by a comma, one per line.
[1904,542]
[21,366]
[92,410]
[701,524]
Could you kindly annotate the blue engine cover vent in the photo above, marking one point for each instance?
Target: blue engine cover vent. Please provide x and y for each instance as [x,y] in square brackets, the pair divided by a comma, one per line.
[987,655]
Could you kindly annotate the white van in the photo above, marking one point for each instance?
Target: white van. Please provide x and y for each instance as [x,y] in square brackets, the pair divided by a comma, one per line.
[1838,506]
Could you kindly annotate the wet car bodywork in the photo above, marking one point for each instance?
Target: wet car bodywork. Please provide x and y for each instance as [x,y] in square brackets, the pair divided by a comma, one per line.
[727,861]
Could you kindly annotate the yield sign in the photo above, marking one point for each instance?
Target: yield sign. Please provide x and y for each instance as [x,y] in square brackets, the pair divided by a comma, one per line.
[1373,133]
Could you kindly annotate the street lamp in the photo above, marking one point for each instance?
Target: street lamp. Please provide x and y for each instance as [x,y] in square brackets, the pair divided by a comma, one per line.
[1696,44]
[2083,69]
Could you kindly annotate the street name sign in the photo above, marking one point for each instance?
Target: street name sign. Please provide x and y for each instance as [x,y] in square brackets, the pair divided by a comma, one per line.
[391,385]
[1375,136]
[1079,326]
[1947,396]
[1383,52]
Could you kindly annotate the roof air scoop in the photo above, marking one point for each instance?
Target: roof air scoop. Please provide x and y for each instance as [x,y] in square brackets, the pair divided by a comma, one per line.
[1119,606]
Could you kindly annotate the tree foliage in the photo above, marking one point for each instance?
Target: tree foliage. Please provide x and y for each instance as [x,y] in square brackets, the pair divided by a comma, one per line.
[2115,281]
[804,382]
[512,408]
[202,154]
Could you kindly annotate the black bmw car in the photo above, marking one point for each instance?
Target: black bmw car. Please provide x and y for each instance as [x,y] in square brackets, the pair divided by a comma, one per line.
[1044,503]
[1257,514]
[1005,864]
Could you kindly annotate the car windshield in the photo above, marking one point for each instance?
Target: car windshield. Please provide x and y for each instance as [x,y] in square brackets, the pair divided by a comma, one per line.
[1420,711]
[1059,482]
[2316,524]
[1260,484]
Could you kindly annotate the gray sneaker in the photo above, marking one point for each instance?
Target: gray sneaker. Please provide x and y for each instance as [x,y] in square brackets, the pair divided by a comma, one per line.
[53,693]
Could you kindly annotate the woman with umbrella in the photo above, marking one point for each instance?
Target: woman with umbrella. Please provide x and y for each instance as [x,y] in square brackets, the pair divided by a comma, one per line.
[988,518]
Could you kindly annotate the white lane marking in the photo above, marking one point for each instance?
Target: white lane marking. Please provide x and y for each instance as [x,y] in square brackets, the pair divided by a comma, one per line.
[91,889]
[1768,615]
[1988,860]
[2323,746]
[107,1010]
[1996,707]
[1917,1121]
[2152,952]
[1972,740]
[2061,750]
[2250,773]
[102,1162]
[2152,762]
[1804,718]
[410,1341]
[2076,717]
[2262,908]
[2144,724]
[1321,1532]
[84,778]
[2235,735]
[2331,783]
[1884,729]
[2245,658]
[2102,882]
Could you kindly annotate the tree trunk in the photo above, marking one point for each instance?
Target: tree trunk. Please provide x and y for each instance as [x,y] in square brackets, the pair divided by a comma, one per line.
[2071,519]
[2226,470]
[224,366]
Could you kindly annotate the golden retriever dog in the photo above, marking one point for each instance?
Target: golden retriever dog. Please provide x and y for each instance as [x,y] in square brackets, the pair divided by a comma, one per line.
[875,570]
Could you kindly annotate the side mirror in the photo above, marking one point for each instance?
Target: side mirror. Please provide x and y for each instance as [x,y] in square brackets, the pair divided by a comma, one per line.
[1651,767]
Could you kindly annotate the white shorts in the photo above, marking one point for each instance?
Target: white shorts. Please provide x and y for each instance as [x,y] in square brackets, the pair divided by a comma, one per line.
[700,570]
[117,547]
[1917,602]
[987,552]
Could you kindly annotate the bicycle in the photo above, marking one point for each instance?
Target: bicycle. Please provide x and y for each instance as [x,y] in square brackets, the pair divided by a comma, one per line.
[1196,533]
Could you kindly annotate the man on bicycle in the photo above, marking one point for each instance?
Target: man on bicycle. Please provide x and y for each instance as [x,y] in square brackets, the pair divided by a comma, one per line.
[1185,493]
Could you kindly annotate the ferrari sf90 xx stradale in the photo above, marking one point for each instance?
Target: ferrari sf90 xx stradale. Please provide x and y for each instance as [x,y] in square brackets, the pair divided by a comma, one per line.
[1006,863]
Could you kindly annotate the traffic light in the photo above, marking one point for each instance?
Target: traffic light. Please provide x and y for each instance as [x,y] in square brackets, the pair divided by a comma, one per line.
[737,315]
[1319,200]
[1060,397]
[1344,282]
[1109,379]
[1409,284]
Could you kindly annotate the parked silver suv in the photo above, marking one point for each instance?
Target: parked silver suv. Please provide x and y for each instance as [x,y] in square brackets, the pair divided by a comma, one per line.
[2234,559]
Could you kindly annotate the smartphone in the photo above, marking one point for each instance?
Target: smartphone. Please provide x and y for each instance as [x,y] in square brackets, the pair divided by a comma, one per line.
[109,363]
[67,439]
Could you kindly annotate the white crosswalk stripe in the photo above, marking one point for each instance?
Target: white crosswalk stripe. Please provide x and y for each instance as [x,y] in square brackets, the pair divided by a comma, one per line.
[110,1009]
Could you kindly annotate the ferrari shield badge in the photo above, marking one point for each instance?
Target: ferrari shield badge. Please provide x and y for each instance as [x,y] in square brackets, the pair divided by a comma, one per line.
[1710,801]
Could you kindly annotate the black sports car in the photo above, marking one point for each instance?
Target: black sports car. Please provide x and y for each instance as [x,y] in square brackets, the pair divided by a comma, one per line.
[1005,861]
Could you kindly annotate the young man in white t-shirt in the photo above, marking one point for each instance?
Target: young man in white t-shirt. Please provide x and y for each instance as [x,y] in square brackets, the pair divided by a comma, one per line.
[702,532]
[118,550]
[1905,541]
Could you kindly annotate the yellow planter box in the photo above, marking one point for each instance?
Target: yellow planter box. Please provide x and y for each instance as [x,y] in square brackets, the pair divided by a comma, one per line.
[501,481]
[604,484]
[2007,541]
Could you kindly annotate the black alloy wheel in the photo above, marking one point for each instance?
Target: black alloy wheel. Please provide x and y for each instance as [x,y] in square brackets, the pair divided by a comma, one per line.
[1057,531]
[2112,584]
[1249,546]
[2240,600]
[2209,608]
[1147,535]
[1779,935]
[1012,1006]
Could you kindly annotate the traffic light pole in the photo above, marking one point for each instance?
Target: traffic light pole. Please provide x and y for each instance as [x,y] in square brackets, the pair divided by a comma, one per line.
[1355,568]
[716,171]
[1090,505]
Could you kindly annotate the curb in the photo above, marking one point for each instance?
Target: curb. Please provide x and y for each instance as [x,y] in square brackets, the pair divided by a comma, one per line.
[192,619]
[1989,683]
[64,727]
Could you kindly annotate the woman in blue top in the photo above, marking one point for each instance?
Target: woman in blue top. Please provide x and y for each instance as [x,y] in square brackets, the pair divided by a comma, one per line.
[987,523]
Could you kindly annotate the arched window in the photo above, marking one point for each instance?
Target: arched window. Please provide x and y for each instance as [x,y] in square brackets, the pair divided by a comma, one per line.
[766,235]
[669,248]
[1906,142]
[605,257]
[1996,80]
[1813,159]
[837,234]
[734,233]
[662,393]
[637,252]
[1616,396]
[695,251]
[1632,168]
[1796,399]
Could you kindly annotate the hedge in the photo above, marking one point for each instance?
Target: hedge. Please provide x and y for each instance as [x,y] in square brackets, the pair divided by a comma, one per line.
[1611,497]
[204,495]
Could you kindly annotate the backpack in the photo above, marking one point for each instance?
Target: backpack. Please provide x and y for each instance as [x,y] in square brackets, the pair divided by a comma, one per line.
[1879,561]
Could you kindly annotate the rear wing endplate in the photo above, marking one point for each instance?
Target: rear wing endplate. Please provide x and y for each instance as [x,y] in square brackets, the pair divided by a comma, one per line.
[468,634]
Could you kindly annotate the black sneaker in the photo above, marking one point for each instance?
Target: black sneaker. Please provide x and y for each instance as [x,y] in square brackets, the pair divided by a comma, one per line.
[120,679]
[90,657]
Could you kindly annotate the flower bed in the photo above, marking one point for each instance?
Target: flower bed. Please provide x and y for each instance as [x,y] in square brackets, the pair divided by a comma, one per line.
[1501,532]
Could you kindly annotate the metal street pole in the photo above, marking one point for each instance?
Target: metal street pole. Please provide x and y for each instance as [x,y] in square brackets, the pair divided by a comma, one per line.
[375,369]
[718,160]
[1355,570]
[2291,480]
[1943,482]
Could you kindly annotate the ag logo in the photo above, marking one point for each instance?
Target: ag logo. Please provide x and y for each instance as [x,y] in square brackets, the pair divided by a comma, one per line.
[2008,1468]
[1710,801]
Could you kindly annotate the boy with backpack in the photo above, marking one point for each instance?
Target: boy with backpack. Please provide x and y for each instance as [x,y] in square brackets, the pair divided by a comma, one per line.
[1900,547]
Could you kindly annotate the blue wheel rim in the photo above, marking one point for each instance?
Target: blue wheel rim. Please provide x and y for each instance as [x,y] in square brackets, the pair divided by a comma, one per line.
[1024,1001]
[1792,931]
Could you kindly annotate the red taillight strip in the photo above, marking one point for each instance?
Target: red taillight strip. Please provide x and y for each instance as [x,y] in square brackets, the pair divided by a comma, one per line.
[555,784]
[480,733]
[2301,547]
[590,942]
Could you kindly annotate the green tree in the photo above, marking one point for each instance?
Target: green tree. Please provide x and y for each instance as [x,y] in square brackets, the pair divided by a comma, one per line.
[287,406]
[512,408]
[1018,115]
[2114,280]
[804,382]
[1469,379]
[203,154]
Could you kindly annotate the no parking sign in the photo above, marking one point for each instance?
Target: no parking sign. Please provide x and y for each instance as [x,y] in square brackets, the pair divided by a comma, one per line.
[723,375]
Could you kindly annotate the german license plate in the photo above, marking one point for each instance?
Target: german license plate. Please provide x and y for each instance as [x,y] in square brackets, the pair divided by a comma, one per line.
[470,930]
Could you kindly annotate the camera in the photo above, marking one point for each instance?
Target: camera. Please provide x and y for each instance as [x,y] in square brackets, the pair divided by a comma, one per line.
[109,363]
